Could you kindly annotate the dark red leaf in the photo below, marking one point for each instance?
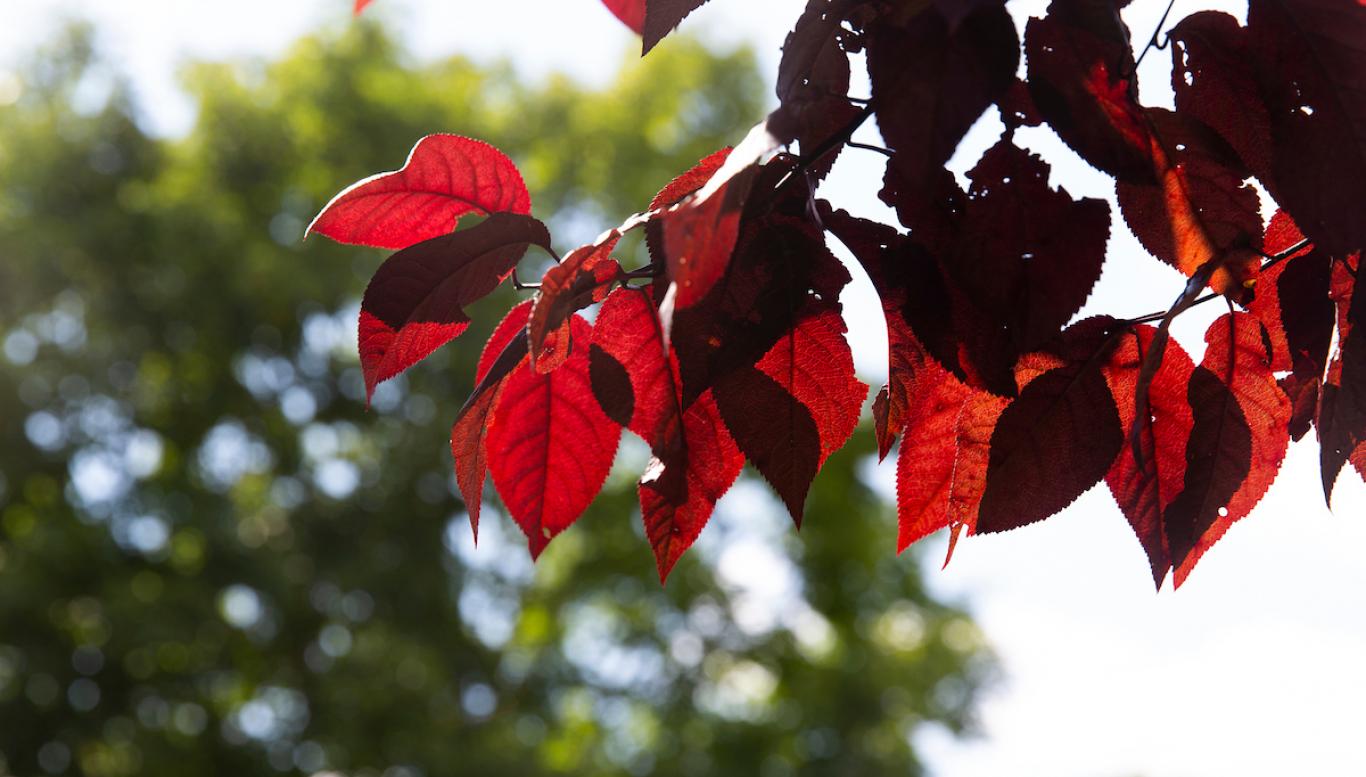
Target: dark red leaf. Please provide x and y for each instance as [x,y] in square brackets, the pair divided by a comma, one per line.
[584,277]
[445,177]
[813,84]
[1056,440]
[1312,64]
[630,12]
[1342,404]
[677,499]
[662,16]
[1237,442]
[1145,486]
[416,301]
[1214,82]
[931,83]
[1197,209]
[942,465]
[467,434]
[797,405]
[550,446]
[1081,76]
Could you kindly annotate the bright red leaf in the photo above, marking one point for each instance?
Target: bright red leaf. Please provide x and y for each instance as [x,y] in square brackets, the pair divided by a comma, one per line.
[550,446]
[416,301]
[445,178]
[630,12]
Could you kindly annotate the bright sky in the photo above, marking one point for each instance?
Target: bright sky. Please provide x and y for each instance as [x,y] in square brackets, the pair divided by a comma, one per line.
[1253,668]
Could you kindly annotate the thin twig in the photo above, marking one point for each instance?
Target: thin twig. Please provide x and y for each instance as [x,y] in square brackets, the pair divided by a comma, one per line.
[870,147]
[1152,42]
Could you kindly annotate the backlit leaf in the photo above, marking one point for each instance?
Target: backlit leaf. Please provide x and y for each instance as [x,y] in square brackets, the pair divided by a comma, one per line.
[416,301]
[549,445]
[1239,436]
[444,178]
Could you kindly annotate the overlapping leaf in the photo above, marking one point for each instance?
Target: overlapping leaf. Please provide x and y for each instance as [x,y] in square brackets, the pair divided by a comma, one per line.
[584,277]
[1238,438]
[634,377]
[1144,485]
[798,404]
[416,301]
[444,178]
[930,82]
[549,444]
[1058,438]
[504,350]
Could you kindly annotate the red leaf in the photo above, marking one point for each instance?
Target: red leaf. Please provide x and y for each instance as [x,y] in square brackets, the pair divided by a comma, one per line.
[662,16]
[1237,441]
[630,12]
[1198,209]
[467,434]
[550,446]
[1081,76]
[941,467]
[445,177]
[797,405]
[1145,489]
[1312,66]
[360,6]
[1057,439]
[695,459]
[584,277]
[931,83]
[416,301]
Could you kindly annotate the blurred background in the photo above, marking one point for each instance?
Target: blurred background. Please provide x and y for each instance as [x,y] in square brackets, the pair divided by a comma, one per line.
[214,559]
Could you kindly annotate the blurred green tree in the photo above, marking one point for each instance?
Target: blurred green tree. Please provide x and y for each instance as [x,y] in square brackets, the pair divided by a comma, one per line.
[215,560]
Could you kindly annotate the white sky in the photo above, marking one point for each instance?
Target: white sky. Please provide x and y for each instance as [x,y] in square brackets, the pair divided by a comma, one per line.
[1254,668]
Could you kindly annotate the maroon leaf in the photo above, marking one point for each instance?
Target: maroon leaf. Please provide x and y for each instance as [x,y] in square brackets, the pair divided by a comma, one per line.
[1081,76]
[813,84]
[1214,82]
[1057,439]
[1342,404]
[445,177]
[549,444]
[931,83]
[467,434]
[662,16]
[1312,65]
[416,301]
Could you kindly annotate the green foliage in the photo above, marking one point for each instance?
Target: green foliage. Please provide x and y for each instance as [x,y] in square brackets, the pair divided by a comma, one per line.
[214,559]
